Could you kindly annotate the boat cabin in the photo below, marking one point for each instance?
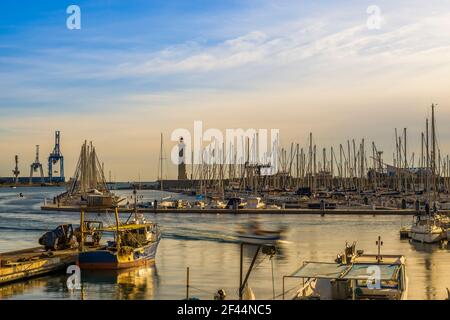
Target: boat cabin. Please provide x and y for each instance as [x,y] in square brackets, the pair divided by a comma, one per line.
[365,278]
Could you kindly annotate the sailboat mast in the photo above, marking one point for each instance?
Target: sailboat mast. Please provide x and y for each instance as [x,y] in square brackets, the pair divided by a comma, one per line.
[116,215]
[161,163]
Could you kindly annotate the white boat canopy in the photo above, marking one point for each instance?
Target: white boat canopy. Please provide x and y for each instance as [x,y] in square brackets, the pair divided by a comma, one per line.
[323,270]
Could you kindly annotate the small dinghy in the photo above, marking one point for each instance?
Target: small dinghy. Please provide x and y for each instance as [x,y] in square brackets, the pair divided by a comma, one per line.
[255,235]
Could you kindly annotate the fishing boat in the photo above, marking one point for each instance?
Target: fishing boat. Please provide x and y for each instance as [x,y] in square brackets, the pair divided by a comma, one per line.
[426,229]
[135,242]
[353,276]
[253,234]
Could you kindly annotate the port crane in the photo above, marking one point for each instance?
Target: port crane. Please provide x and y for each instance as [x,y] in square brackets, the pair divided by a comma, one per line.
[16,171]
[35,166]
[53,159]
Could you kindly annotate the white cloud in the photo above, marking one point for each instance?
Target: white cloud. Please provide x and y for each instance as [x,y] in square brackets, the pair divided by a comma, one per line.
[296,75]
[294,46]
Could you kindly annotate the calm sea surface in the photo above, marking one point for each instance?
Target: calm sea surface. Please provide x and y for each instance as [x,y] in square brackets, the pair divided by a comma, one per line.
[206,244]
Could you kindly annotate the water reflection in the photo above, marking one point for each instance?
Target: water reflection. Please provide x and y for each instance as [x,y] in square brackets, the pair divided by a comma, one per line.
[435,271]
[19,288]
[427,247]
[135,283]
[207,244]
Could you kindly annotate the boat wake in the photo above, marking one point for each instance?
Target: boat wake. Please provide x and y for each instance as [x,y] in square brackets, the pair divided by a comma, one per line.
[199,237]
[23,229]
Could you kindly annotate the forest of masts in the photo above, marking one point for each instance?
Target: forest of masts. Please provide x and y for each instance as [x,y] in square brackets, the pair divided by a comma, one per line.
[356,166]
[89,173]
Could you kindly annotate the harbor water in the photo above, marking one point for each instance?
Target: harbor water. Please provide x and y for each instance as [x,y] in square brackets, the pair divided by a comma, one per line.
[206,244]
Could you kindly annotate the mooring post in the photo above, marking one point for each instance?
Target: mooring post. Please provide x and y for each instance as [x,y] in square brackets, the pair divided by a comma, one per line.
[187,283]
[241,288]
[240,270]
[81,244]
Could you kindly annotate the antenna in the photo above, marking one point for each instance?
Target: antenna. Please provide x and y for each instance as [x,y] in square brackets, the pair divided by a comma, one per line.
[161,158]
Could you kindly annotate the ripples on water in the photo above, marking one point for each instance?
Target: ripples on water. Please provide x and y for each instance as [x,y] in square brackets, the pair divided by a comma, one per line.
[206,244]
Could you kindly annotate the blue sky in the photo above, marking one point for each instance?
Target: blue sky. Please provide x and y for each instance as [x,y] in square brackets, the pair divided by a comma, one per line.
[142,67]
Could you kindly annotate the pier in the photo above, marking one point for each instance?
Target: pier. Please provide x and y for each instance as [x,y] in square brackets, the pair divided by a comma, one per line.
[27,263]
[359,211]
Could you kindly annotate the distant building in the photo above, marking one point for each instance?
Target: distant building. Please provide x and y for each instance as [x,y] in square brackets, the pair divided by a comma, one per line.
[393,171]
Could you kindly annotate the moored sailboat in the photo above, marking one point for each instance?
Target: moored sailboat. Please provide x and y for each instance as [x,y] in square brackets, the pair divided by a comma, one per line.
[426,229]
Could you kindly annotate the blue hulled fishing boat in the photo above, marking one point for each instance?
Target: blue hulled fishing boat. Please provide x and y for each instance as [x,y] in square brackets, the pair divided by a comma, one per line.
[135,244]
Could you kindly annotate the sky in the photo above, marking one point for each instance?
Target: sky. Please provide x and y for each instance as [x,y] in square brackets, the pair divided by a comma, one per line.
[139,68]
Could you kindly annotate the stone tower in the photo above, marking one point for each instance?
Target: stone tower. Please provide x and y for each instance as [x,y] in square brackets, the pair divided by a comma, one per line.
[181,160]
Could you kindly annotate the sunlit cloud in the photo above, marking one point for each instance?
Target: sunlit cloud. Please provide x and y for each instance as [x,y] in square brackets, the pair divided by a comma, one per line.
[316,71]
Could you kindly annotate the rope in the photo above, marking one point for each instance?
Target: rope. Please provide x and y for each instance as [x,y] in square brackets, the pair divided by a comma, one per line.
[198,289]
[286,291]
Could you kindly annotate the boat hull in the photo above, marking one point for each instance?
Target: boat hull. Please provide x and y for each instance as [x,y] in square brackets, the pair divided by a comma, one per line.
[263,239]
[110,260]
[426,237]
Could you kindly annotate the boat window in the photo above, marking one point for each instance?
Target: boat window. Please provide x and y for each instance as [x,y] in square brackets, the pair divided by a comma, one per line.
[385,284]
[362,271]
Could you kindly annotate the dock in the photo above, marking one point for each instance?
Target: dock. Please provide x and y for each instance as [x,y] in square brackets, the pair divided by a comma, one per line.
[296,211]
[27,263]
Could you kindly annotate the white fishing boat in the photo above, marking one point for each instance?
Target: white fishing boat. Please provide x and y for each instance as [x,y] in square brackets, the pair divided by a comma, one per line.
[426,229]
[353,276]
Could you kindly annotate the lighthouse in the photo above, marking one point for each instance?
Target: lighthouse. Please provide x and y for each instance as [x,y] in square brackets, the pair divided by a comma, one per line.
[181,160]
